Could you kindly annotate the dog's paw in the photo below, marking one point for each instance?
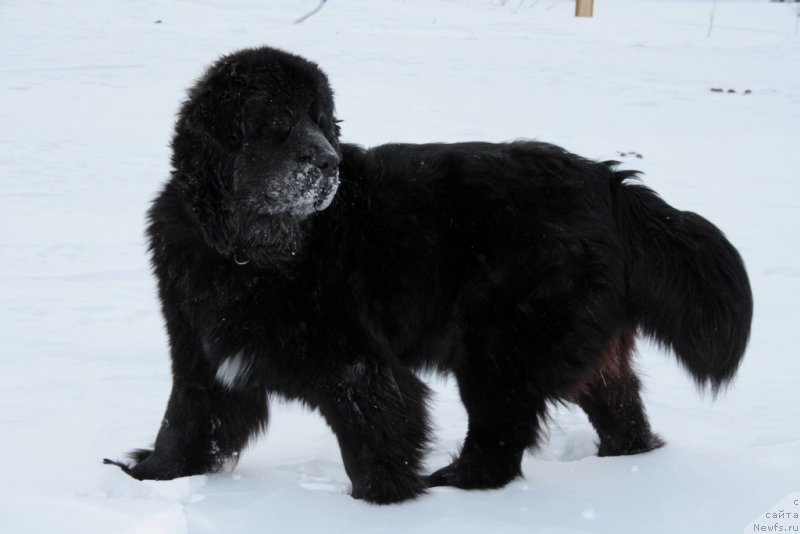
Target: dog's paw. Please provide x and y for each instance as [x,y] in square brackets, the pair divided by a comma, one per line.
[473,475]
[148,466]
[389,489]
[637,445]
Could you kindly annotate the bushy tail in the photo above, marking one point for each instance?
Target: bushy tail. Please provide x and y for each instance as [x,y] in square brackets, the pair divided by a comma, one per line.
[688,288]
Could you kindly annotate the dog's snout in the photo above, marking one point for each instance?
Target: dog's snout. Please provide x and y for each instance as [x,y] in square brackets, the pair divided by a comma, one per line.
[326,159]
[317,151]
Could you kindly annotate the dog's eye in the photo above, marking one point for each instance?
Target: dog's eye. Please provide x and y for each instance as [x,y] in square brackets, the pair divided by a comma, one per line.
[280,122]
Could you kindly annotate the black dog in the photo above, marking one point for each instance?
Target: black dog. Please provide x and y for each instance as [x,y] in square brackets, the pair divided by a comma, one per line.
[289,264]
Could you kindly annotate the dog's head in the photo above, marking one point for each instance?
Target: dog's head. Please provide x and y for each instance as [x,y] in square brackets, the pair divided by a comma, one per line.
[260,124]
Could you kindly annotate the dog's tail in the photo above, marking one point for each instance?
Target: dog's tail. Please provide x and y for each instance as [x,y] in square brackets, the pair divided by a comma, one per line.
[687,285]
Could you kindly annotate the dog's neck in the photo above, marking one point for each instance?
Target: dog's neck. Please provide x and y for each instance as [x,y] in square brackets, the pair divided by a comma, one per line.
[247,240]
[267,243]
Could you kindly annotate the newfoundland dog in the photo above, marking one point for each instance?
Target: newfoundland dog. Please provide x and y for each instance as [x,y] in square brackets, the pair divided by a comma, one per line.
[290,264]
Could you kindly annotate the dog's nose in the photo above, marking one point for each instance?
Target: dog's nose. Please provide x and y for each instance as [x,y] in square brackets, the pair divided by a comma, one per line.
[316,149]
[326,159]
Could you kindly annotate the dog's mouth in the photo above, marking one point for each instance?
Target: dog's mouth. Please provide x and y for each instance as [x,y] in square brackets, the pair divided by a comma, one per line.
[311,190]
[300,192]
[326,191]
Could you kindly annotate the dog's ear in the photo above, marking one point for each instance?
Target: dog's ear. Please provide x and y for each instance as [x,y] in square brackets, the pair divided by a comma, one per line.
[214,108]
[337,129]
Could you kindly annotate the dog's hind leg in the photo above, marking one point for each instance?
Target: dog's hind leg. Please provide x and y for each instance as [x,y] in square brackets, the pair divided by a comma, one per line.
[612,402]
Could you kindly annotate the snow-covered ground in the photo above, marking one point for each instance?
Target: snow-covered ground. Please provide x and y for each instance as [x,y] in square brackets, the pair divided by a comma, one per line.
[88,93]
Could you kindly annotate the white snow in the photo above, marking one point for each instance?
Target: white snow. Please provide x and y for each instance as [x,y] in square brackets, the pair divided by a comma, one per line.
[88,95]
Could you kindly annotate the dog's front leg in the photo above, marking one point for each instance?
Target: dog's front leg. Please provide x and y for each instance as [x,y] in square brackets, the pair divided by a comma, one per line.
[206,424]
[378,413]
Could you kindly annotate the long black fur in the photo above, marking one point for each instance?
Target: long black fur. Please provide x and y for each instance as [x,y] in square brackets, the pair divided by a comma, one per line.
[520,268]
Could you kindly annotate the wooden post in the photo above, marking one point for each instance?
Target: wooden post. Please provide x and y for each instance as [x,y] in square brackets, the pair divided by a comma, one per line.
[584,8]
